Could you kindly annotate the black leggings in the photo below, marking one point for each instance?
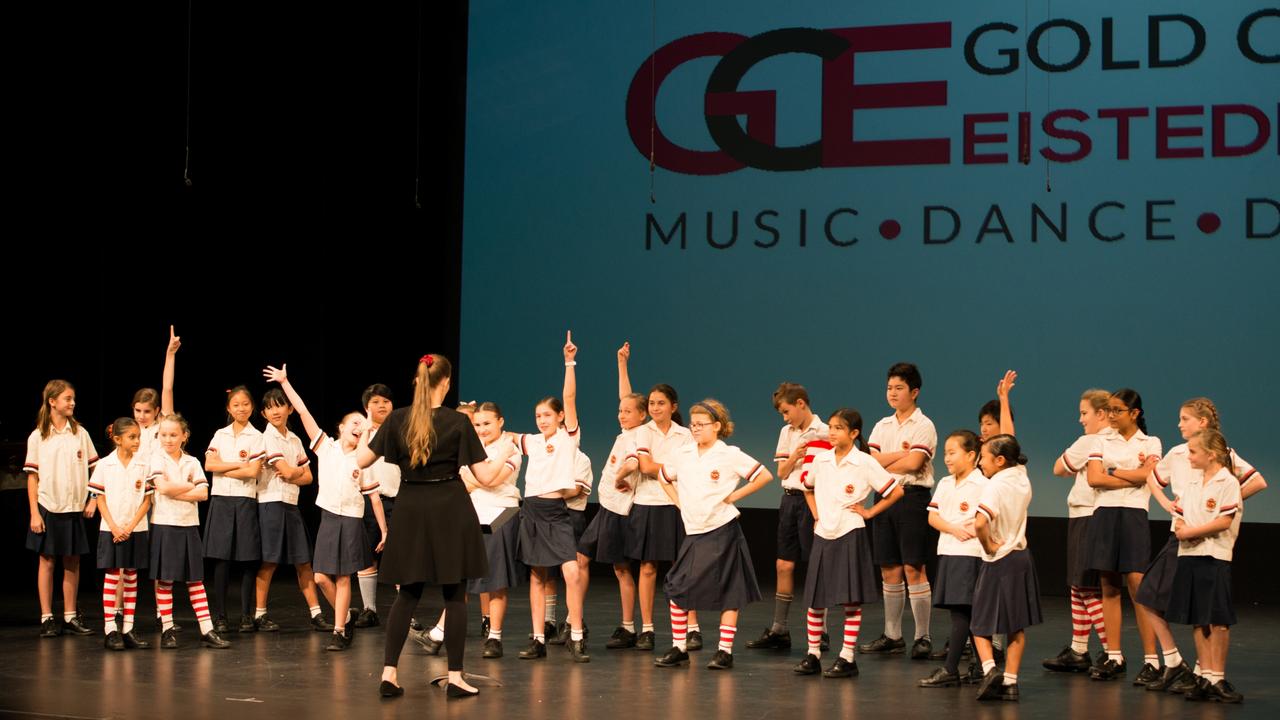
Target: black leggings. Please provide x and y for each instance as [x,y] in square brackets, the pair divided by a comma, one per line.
[960,617]
[218,593]
[455,622]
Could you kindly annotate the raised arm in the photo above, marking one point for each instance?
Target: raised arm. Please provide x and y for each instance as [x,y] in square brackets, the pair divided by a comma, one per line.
[280,375]
[624,379]
[1003,388]
[166,382]
[570,382]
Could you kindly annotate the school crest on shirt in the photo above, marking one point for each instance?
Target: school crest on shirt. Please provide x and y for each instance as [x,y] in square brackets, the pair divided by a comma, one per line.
[244,454]
[848,489]
[355,474]
[137,484]
[1210,504]
[79,454]
[715,474]
[964,507]
[550,448]
[613,459]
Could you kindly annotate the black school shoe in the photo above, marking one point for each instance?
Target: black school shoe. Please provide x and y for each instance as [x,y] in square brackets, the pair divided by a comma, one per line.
[492,649]
[842,669]
[221,626]
[1169,676]
[644,641]
[113,641]
[883,646]
[1108,670]
[169,640]
[535,651]
[247,625]
[974,674]
[694,641]
[1222,691]
[1183,684]
[1068,661]
[621,639]
[673,658]
[338,641]
[770,640]
[578,651]
[1148,673]
[367,618]
[319,624]
[1009,692]
[808,666]
[424,639]
[133,642]
[213,640]
[722,661]
[921,649]
[266,624]
[77,626]
[940,679]
[1199,692]
[51,628]
[992,685]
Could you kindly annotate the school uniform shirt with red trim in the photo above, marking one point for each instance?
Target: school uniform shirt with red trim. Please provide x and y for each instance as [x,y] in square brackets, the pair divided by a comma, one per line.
[651,442]
[505,495]
[1123,454]
[1174,471]
[551,461]
[171,511]
[838,484]
[149,439]
[387,474]
[704,479]
[125,487]
[583,477]
[611,498]
[1083,496]
[1204,502]
[280,449]
[245,447]
[915,434]
[342,483]
[956,502]
[814,437]
[62,461]
[1004,501]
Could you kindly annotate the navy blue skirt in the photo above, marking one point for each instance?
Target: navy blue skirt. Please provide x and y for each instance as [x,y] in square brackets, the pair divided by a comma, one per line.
[1118,540]
[655,533]
[133,553]
[1201,593]
[1157,581]
[505,569]
[176,553]
[605,539]
[1079,573]
[341,545]
[1006,597]
[284,535]
[713,571]
[841,571]
[231,530]
[546,533]
[63,535]
[956,577]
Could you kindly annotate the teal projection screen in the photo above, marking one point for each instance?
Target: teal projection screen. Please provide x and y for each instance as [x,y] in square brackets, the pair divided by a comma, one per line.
[1091,198]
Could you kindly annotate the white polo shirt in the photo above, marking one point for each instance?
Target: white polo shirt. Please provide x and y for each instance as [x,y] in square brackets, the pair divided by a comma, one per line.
[505,495]
[342,482]
[1083,496]
[956,502]
[1174,471]
[125,487]
[839,484]
[813,435]
[551,461]
[149,439]
[62,461]
[915,434]
[245,447]
[1123,455]
[387,474]
[611,498]
[703,481]
[167,510]
[1004,500]
[280,448]
[1204,502]
[583,478]
[651,442]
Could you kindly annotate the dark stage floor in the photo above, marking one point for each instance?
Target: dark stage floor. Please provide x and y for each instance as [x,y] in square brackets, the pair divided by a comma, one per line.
[286,674]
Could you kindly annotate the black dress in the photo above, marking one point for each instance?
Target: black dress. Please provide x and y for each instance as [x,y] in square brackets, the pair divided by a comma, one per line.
[436,538]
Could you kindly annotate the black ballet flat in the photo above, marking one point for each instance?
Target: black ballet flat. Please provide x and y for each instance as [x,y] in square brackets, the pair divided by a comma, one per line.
[457,691]
[388,690]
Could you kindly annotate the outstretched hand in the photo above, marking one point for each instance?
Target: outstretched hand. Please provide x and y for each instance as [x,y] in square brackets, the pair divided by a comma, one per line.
[570,350]
[276,375]
[175,342]
[1005,386]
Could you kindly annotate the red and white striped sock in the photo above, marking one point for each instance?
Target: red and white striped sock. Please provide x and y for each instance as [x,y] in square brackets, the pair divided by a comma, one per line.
[852,625]
[727,633]
[164,603]
[816,621]
[110,580]
[679,626]
[1080,622]
[200,603]
[1093,606]
[130,597]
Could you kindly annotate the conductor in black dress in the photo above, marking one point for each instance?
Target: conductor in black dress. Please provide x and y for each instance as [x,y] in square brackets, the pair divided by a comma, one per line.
[436,539]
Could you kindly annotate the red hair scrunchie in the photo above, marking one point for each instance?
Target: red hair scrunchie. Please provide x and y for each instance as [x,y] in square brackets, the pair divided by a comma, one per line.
[427,360]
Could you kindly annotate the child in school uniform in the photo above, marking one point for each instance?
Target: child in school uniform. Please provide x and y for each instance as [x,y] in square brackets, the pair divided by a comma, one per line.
[605,538]
[1006,595]
[1174,471]
[1084,584]
[584,478]
[60,455]
[122,488]
[546,524]
[713,569]
[1118,538]
[803,435]
[177,554]
[377,405]
[232,533]
[1207,525]
[655,529]
[341,544]
[951,513]
[838,482]
[149,406]
[904,443]
[285,470]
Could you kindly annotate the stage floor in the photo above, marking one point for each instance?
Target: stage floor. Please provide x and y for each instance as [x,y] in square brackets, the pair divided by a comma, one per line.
[278,675]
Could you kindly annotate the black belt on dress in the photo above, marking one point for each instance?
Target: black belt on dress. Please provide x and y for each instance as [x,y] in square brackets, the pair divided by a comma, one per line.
[432,481]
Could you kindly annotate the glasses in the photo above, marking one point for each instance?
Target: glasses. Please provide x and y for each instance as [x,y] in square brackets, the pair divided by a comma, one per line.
[699,426]
[1114,411]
